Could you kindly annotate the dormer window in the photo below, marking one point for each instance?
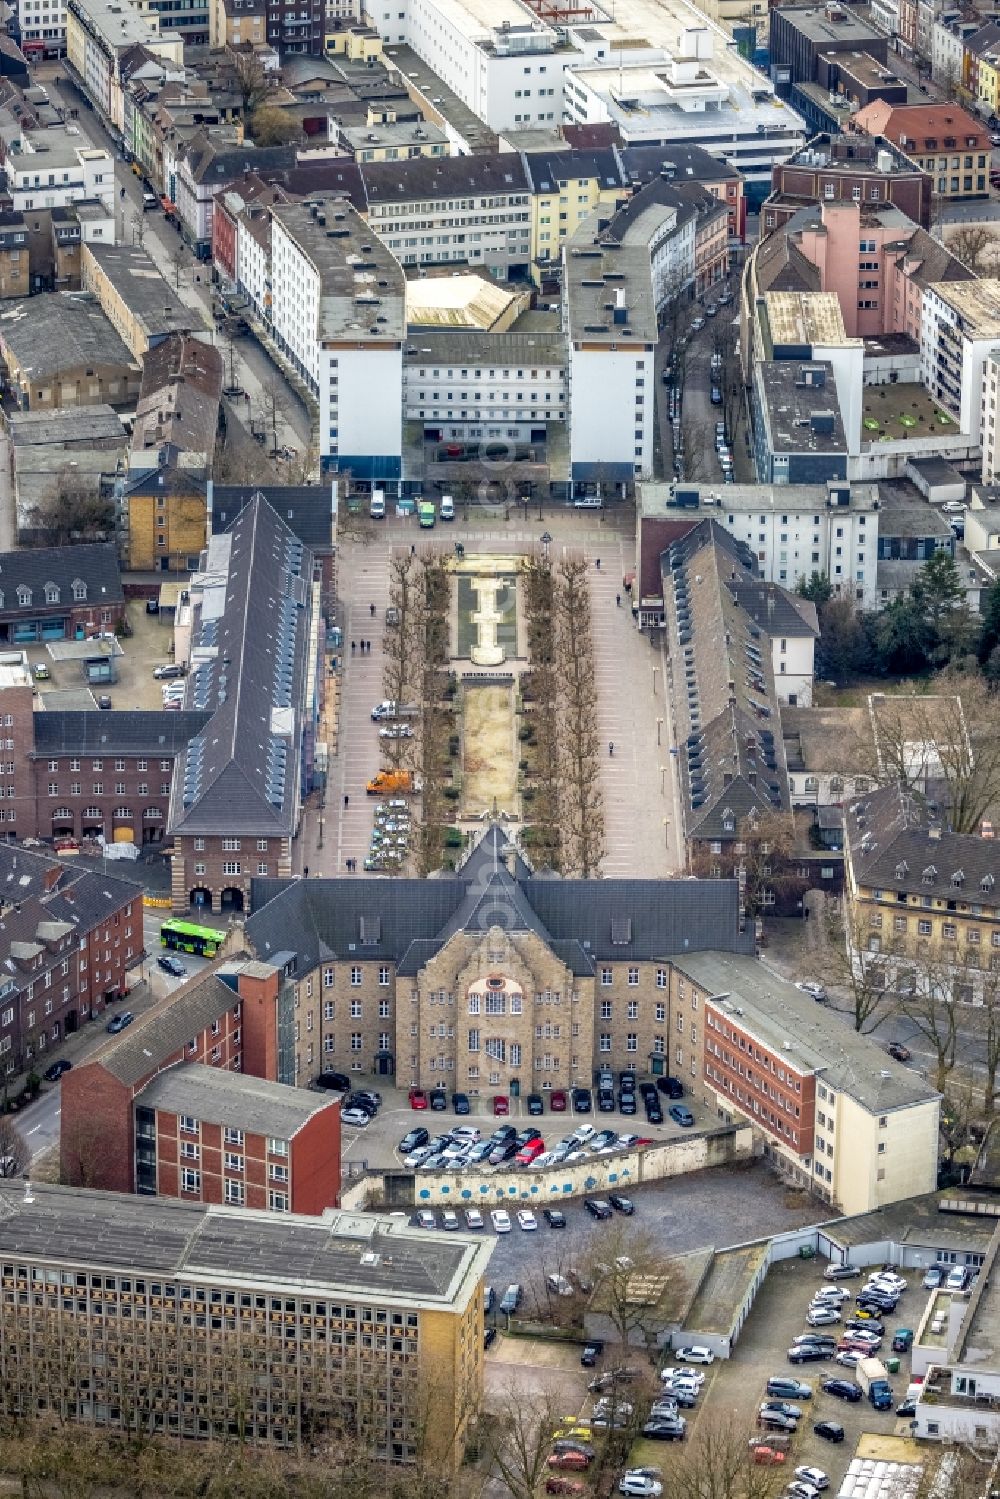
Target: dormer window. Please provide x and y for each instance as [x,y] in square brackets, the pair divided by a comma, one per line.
[728,820]
[902,870]
[929,875]
[958,878]
[23,596]
[986,883]
[79,589]
[51,593]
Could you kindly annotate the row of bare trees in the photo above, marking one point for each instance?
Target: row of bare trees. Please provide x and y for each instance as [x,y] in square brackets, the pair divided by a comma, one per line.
[582,804]
[539,691]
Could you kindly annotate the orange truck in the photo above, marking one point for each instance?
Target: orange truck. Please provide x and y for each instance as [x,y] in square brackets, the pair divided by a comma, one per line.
[392,783]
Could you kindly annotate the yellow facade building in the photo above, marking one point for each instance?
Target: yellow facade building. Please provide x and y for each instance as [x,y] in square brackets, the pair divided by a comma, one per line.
[924,902]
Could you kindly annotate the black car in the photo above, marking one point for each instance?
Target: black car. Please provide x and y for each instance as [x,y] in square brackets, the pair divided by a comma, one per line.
[503,1133]
[338,1081]
[592,1352]
[653,1112]
[360,1101]
[626,1103]
[671,1086]
[865,1324]
[413,1139]
[869,1301]
[597,1208]
[648,1091]
[503,1152]
[489,1337]
[571,1444]
[581,1100]
[526,1135]
[54,1073]
[119,1022]
[460,1103]
[170,964]
[536,1105]
[626,1082]
[438,1100]
[808,1353]
[606,1101]
[554,1217]
[844,1389]
[830,1431]
[622,1204]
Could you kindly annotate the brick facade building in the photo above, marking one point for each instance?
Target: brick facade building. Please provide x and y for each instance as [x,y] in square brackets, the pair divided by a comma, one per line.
[70,936]
[59,593]
[177,1106]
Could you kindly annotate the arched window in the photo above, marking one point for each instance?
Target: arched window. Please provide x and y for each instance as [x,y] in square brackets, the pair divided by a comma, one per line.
[51,593]
[79,589]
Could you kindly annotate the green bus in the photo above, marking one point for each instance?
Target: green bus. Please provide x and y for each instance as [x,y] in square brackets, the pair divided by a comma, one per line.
[187,936]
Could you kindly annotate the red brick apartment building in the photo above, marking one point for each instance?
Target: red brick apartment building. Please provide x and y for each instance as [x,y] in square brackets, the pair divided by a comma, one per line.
[195,1101]
[764,1083]
[68,936]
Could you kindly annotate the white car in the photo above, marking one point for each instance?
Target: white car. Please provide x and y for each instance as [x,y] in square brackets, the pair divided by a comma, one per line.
[687,1376]
[815,991]
[500,1219]
[799,1490]
[558,1284]
[527,1221]
[822,1316]
[358,1117]
[696,1354]
[583,1133]
[815,1476]
[545,1159]
[419,1156]
[847,1358]
[625,1142]
[467,1132]
[831,1293]
[473,1218]
[449,1220]
[641,1484]
[888,1278]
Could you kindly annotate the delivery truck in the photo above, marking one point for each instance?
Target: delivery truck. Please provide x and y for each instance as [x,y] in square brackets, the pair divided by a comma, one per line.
[873,1377]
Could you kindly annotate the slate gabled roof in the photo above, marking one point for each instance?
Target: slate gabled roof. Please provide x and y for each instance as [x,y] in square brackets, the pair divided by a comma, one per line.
[307,509]
[94,563]
[583,921]
[249,655]
[895,843]
[150,733]
[140,1051]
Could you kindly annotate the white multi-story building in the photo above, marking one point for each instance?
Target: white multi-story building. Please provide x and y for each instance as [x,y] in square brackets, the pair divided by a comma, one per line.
[253,259]
[338,311]
[53,169]
[990,417]
[960,326]
[99,33]
[463,208]
[496,55]
[43,28]
[485,385]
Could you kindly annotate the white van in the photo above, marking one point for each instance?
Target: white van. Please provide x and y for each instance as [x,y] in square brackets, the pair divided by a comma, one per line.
[376,506]
[446,510]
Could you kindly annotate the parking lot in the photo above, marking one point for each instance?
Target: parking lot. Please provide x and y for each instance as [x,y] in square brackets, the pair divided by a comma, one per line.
[736,1386]
[134,658]
[377,1143]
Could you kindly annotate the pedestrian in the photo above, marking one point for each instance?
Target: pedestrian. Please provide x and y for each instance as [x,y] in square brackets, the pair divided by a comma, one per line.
[413,549]
[371,610]
[348,866]
[347,800]
[618,600]
[305,870]
[597,564]
[353,643]
[611,748]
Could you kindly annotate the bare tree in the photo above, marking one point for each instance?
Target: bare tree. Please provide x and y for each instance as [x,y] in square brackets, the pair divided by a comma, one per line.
[518,1439]
[718,1463]
[250,78]
[539,690]
[227,339]
[272,393]
[859,969]
[76,512]
[15,1157]
[973,244]
[178,263]
[949,738]
[932,1009]
[582,806]
[270,126]
[631,1275]
[761,858]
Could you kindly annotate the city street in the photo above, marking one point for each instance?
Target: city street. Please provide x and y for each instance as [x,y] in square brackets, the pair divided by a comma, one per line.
[253,366]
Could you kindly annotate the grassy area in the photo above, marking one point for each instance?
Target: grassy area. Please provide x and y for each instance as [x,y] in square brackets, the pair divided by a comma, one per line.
[854,692]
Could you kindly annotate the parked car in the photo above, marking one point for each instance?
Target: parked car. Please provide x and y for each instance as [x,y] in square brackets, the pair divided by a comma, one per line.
[822,1316]
[474,1219]
[899,1051]
[830,1431]
[785,1387]
[412,1139]
[554,1217]
[536,1105]
[337,1081]
[814,1476]
[417,1098]
[767,1456]
[597,1208]
[426,1219]
[843,1389]
[808,1353]
[591,1353]
[934,1278]
[501,1105]
[665,1429]
[358,1118]
[511,1299]
[814,990]
[623,1205]
[557,1101]
[460,1103]
[681,1115]
[558,1284]
[958,1278]
[641,1485]
[671,1086]
[439,1100]
[776,1421]
[54,1073]
[527,1221]
[554,1484]
[581,1100]
[576,1461]
[841,1272]
[119,1022]
[500,1219]
[695,1354]
[171,965]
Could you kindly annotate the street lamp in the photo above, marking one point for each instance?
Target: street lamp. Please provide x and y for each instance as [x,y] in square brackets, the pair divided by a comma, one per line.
[666,832]
[663,772]
[655,670]
[659,729]
[546,540]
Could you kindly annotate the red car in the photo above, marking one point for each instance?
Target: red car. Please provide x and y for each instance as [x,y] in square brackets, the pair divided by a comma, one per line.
[501,1105]
[557,1101]
[528,1152]
[769,1456]
[578,1461]
[556,1485]
[418,1098]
